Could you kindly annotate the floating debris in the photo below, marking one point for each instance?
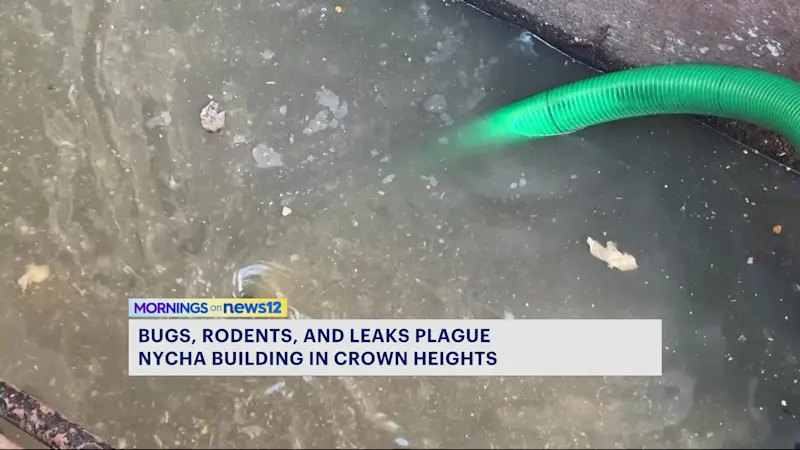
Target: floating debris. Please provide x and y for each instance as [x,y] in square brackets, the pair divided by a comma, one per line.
[611,256]
[446,49]
[211,118]
[388,179]
[266,157]
[161,120]
[34,274]
[317,124]
[777,229]
[277,387]
[432,181]
[750,260]
[282,110]
[286,211]
[435,104]
[423,12]
[328,99]
[402,442]
[267,55]
[338,9]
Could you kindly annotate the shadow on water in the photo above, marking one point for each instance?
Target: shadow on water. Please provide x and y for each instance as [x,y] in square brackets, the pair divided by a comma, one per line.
[108,179]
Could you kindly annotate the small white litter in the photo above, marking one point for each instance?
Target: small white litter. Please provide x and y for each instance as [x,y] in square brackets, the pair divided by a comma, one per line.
[611,256]
[211,118]
[34,274]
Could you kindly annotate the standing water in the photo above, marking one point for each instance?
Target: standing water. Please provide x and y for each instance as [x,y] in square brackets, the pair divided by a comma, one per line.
[111,189]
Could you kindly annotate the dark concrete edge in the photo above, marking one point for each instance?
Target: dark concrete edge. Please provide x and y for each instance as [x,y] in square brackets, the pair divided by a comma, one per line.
[592,54]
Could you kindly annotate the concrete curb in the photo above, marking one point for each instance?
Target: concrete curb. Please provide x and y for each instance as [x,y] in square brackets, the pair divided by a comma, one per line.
[598,49]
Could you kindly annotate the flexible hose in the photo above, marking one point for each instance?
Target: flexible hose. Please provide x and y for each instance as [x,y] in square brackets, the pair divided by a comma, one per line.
[765,99]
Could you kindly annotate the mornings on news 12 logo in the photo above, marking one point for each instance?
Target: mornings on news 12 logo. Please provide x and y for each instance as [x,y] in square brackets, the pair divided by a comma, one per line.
[196,308]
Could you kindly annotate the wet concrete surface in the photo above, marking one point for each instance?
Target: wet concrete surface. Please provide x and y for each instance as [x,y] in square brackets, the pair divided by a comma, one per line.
[755,33]
[121,200]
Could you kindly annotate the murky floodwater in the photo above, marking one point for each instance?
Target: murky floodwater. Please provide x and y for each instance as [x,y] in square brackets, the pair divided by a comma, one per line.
[108,178]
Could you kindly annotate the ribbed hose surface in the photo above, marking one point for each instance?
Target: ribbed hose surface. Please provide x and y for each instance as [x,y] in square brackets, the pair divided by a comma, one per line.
[755,96]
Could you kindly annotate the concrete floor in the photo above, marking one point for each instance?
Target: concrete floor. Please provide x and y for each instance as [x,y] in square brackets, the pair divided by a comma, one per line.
[753,33]
[120,206]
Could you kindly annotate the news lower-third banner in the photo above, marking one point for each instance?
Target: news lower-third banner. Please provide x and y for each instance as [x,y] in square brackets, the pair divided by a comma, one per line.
[170,340]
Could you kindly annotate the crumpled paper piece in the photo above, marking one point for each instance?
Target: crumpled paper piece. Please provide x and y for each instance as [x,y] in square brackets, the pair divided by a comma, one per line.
[611,256]
[211,118]
[33,274]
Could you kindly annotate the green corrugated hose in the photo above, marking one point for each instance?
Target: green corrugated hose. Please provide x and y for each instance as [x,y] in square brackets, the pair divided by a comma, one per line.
[755,96]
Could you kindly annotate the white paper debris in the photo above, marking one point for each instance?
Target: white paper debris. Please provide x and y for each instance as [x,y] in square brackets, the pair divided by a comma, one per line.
[33,274]
[286,211]
[611,256]
[266,157]
[211,118]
